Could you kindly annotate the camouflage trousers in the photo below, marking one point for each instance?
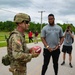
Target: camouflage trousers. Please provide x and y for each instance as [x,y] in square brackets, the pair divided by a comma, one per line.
[17,71]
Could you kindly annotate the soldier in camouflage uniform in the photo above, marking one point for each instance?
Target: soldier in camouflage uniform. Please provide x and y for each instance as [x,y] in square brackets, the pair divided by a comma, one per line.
[17,49]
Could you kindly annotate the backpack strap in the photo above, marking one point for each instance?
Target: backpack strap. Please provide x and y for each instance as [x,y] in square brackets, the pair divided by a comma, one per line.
[7,38]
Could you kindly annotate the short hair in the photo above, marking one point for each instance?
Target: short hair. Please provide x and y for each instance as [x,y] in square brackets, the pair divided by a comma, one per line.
[69,27]
[50,15]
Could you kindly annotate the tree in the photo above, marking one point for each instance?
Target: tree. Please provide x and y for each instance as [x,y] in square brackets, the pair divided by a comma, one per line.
[9,26]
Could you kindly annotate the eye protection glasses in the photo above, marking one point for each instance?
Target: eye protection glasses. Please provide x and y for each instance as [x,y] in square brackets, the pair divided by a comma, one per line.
[26,22]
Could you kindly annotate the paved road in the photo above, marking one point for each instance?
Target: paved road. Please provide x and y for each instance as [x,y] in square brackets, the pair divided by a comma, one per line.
[34,67]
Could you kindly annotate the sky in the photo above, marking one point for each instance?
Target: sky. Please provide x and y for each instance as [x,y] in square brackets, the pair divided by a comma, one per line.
[63,10]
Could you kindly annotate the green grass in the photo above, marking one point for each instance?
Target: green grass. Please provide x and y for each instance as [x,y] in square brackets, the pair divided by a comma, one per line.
[2,35]
[3,44]
[3,41]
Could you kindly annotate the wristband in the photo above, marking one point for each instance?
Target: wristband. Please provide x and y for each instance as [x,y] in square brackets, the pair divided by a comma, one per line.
[47,46]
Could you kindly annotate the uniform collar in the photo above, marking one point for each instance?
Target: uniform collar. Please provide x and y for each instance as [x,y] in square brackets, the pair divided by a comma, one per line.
[20,32]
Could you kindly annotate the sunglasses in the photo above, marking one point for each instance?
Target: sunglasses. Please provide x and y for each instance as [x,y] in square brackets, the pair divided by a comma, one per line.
[26,22]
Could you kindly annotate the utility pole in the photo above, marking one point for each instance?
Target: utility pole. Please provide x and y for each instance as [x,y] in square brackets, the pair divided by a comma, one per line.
[41,18]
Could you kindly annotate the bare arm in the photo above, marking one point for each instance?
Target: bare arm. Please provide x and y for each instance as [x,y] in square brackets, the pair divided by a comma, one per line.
[45,43]
[61,40]
[71,34]
[60,43]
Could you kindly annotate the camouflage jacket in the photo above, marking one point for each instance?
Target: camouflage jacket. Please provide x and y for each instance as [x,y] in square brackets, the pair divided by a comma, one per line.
[17,47]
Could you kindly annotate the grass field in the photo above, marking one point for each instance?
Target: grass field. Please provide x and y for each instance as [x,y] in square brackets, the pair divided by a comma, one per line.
[3,41]
[2,35]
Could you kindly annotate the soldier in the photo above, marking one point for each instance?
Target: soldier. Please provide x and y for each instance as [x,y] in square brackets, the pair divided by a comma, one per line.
[17,49]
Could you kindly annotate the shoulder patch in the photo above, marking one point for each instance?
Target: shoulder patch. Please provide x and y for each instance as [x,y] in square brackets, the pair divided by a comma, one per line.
[18,41]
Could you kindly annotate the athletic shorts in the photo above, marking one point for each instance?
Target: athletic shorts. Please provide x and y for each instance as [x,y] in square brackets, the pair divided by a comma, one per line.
[67,49]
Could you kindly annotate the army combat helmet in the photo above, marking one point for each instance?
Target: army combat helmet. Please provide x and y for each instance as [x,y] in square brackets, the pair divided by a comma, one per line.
[20,17]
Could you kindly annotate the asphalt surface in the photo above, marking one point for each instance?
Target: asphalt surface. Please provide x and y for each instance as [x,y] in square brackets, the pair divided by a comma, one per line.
[34,67]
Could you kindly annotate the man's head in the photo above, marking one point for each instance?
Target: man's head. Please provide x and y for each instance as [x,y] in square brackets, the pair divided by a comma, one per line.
[22,20]
[68,28]
[51,19]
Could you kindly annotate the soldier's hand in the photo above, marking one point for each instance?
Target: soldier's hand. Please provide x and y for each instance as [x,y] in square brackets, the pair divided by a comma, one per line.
[35,51]
[35,55]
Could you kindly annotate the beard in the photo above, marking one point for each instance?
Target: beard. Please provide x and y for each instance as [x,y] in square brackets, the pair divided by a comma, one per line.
[51,23]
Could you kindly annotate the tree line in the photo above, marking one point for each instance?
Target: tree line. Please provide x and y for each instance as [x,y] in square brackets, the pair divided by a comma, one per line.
[8,26]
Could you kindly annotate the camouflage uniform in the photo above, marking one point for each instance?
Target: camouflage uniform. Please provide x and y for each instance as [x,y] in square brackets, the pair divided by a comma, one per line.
[18,51]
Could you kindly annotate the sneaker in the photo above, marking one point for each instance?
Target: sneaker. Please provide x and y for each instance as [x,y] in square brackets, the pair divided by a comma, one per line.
[70,65]
[63,63]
